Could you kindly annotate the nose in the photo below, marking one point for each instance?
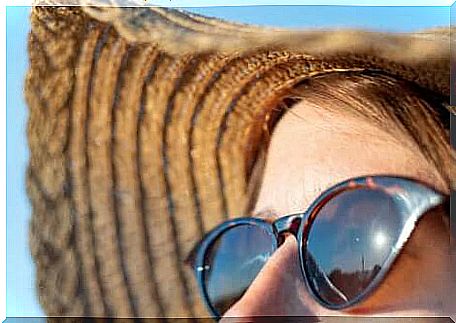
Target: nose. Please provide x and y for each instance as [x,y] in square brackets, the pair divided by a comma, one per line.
[278,290]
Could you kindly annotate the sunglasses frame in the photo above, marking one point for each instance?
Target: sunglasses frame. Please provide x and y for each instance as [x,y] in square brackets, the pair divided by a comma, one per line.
[421,199]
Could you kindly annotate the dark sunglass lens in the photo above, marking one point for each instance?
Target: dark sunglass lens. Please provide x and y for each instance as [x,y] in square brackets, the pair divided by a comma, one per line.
[233,261]
[348,243]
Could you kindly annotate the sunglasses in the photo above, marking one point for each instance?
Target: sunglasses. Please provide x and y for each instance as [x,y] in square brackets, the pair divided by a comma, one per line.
[348,239]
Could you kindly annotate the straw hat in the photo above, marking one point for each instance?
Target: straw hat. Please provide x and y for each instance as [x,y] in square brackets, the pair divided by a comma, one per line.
[146,125]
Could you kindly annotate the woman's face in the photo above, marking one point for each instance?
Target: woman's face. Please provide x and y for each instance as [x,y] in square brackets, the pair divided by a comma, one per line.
[313,149]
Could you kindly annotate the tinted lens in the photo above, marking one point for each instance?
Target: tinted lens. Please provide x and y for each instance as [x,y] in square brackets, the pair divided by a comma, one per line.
[233,261]
[349,242]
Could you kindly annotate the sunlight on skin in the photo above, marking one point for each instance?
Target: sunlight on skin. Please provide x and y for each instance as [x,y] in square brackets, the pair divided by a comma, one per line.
[311,150]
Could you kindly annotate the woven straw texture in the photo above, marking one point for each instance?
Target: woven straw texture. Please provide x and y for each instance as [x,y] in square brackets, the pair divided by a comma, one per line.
[144,131]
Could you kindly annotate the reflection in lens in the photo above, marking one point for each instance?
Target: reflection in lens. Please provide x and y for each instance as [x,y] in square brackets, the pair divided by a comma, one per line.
[233,262]
[348,243]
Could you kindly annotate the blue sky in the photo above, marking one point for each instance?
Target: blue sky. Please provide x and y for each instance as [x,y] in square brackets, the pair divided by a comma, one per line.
[400,19]
[21,297]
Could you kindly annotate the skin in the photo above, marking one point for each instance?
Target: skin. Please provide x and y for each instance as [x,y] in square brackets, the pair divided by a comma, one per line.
[313,149]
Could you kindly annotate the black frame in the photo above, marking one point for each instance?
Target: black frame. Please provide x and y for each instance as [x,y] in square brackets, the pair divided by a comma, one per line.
[414,199]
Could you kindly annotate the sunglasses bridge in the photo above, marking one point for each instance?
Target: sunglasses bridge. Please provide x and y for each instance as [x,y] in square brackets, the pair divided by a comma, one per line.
[288,224]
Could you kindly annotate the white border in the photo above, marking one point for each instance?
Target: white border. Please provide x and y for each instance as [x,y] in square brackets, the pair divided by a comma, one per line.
[218,3]
[167,3]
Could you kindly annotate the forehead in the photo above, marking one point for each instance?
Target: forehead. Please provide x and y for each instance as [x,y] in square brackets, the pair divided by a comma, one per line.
[313,149]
